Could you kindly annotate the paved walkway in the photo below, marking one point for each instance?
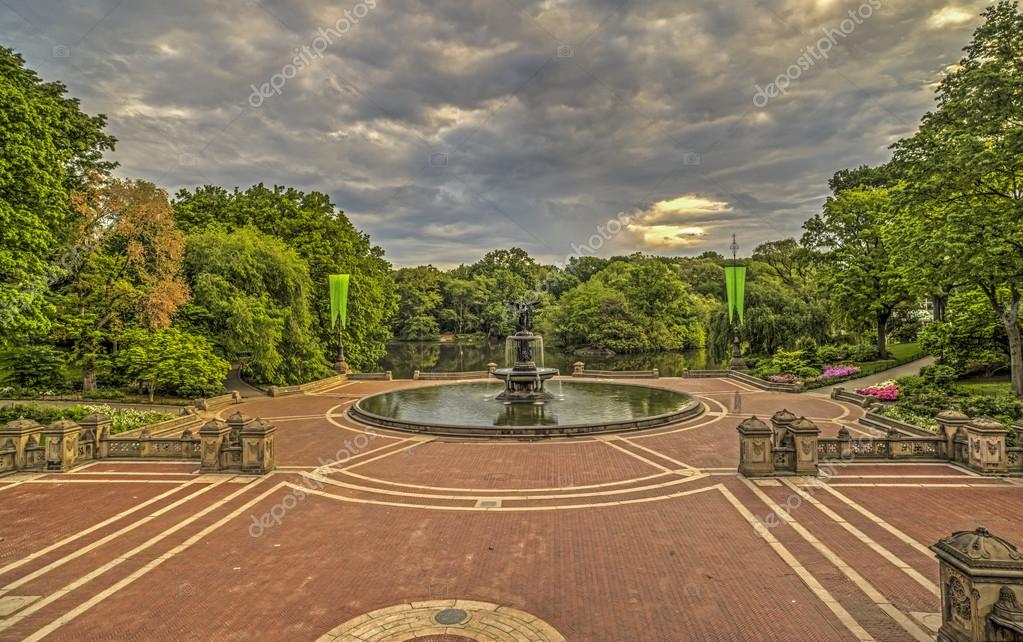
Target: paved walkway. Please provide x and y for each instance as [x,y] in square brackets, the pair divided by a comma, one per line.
[234,381]
[911,368]
[373,535]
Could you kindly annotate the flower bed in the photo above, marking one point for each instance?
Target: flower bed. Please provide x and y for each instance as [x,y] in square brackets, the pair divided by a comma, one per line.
[884,391]
[838,371]
[122,419]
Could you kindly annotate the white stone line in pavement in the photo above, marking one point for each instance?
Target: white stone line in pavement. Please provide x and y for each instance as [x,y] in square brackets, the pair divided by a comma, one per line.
[808,579]
[102,595]
[866,539]
[65,590]
[80,534]
[871,592]
[108,538]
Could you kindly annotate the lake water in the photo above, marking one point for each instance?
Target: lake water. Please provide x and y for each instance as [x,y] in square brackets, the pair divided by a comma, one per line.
[430,356]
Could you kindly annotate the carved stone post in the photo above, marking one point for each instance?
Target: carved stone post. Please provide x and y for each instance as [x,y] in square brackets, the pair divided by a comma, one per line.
[804,439]
[257,439]
[94,428]
[949,423]
[981,586]
[756,448]
[490,368]
[845,452]
[781,421]
[894,438]
[987,445]
[577,368]
[21,436]
[62,445]
[212,436]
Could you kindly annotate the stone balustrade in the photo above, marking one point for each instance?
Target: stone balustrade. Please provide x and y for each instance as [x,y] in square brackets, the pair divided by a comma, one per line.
[579,370]
[26,445]
[780,448]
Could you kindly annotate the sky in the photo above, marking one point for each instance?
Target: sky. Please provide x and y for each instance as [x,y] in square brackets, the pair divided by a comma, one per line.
[447,128]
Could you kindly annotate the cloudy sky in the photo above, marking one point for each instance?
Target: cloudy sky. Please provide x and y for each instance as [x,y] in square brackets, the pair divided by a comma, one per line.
[446,128]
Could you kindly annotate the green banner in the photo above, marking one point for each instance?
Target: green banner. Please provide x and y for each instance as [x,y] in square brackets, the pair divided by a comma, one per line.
[338,299]
[735,284]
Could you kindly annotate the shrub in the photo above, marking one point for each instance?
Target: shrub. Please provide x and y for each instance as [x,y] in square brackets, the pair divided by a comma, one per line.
[783,378]
[831,354]
[863,352]
[939,375]
[808,372]
[103,394]
[786,361]
[35,366]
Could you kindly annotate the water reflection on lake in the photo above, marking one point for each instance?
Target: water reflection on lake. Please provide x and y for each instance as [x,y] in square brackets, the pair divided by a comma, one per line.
[405,356]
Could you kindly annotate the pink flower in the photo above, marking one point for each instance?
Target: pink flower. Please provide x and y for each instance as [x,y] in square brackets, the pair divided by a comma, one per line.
[884,392]
[838,371]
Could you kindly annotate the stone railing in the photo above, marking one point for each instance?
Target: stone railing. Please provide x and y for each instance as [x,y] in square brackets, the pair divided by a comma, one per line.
[451,376]
[841,394]
[756,382]
[246,445]
[312,386]
[370,376]
[579,370]
[875,420]
[780,448]
[216,403]
[186,421]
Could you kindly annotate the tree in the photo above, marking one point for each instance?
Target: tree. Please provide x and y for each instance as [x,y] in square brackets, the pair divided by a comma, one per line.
[963,179]
[420,303]
[326,239]
[787,260]
[172,360]
[132,275]
[971,338]
[863,280]
[47,151]
[251,298]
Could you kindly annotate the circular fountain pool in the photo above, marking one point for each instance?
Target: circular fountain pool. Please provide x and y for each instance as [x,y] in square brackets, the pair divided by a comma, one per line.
[473,410]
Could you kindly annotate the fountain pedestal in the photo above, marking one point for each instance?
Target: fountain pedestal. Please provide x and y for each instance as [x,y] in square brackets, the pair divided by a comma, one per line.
[524,381]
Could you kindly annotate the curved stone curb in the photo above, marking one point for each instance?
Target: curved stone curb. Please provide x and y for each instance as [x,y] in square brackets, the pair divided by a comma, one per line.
[482,622]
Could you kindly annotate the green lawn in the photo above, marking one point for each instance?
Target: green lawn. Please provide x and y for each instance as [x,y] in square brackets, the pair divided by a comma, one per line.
[991,388]
[903,351]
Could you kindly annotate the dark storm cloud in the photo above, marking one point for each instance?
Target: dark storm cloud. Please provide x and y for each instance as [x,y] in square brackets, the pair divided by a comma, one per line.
[445,129]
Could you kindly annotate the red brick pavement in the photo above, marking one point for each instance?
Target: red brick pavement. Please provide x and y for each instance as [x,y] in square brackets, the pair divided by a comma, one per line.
[605,541]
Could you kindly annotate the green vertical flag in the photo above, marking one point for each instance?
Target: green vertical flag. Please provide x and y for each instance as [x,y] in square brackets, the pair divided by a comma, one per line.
[735,283]
[338,299]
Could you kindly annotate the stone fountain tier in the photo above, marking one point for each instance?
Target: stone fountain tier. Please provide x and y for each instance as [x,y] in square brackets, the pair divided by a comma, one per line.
[524,381]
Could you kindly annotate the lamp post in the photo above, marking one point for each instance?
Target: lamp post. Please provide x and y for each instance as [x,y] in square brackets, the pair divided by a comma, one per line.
[737,362]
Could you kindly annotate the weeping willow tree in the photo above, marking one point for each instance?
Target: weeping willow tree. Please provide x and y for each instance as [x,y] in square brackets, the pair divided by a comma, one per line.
[773,319]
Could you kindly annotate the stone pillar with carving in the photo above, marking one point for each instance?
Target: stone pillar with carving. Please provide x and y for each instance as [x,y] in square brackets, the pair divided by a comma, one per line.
[781,421]
[756,448]
[981,587]
[949,423]
[257,440]
[804,439]
[212,436]
[845,450]
[577,368]
[987,445]
[94,428]
[19,440]
[62,445]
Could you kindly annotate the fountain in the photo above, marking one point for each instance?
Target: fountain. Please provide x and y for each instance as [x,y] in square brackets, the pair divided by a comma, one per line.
[524,381]
[524,408]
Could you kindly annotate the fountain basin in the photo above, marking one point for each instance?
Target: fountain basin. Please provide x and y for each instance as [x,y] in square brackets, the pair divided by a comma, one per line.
[471,409]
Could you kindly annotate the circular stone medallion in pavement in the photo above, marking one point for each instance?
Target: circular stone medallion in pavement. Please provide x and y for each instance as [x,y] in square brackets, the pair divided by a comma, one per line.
[445,621]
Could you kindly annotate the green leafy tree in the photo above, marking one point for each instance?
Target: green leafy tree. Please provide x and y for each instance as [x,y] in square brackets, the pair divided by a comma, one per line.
[972,337]
[130,278]
[251,298]
[326,239]
[864,282]
[47,151]
[171,360]
[963,179]
[419,307]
